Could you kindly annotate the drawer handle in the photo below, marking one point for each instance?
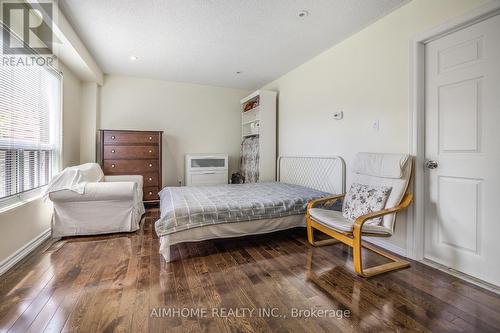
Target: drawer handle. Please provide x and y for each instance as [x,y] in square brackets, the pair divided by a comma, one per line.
[112,165]
[150,179]
[150,165]
[150,193]
[150,138]
[150,151]
[112,151]
[113,137]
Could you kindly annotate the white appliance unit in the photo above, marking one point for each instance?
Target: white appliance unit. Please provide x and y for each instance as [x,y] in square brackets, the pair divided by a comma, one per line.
[206,169]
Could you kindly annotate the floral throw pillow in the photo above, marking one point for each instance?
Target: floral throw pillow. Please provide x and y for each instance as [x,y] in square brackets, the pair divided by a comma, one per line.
[364,199]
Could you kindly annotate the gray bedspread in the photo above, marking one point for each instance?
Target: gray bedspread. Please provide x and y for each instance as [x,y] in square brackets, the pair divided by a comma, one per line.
[190,207]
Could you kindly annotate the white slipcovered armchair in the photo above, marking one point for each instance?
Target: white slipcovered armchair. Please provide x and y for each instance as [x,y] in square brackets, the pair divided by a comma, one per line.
[87,203]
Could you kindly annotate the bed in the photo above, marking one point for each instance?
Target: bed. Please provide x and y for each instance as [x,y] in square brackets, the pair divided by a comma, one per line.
[197,213]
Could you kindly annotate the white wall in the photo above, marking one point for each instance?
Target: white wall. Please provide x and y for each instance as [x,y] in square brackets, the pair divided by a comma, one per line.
[89,104]
[367,77]
[194,118]
[71,114]
[21,224]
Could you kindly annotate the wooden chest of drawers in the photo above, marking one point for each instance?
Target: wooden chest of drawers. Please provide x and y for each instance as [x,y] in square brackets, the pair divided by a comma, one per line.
[133,153]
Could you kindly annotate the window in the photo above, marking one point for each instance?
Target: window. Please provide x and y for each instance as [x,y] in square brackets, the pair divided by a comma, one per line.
[30,108]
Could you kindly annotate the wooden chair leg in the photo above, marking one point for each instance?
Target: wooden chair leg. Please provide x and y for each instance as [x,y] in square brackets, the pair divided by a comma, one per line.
[310,236]
[310,231]
[357,256]
[396,263]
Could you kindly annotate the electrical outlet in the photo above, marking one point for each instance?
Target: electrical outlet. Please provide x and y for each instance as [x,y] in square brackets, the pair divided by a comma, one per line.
[338,115]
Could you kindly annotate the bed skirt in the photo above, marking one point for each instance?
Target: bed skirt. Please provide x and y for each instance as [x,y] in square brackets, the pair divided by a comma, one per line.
[226,230]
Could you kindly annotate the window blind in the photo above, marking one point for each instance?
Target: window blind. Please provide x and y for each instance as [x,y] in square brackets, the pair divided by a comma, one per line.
[30,107]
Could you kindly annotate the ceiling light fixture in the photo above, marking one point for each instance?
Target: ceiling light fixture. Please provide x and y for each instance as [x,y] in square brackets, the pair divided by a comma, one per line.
[303,13]
[133,58]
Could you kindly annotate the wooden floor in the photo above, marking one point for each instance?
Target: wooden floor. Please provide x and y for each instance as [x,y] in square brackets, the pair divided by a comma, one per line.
[120,283]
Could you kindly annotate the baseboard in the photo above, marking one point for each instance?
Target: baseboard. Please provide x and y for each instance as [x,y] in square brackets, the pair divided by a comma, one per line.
[402,252]
[20,254]
[462,276]
[387,246]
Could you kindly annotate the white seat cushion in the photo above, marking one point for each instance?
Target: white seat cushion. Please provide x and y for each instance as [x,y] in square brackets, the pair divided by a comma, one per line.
[335,220]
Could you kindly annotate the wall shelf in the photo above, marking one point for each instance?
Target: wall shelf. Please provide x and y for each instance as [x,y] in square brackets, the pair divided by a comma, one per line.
[255,109]
[251,121]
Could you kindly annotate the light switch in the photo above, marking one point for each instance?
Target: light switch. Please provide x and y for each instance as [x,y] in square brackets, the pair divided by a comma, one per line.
[376,125]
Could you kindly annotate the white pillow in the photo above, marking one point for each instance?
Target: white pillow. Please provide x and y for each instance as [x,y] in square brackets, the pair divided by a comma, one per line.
[365,199]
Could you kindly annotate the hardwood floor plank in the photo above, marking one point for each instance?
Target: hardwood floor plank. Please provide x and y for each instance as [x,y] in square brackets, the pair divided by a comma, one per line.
[184,298]
[289,291]
[62,285]
[109,300]
[125,311]
[377,291]
[41,291]
[350,296]
[212,296]
[195,286]
[237,295]
[90,290]
[67,305]
[253,279]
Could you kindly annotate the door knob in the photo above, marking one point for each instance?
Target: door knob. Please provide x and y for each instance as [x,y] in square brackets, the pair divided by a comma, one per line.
[431,164]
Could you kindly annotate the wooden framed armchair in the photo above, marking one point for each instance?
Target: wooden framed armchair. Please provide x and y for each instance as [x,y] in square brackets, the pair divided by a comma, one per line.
[374,174]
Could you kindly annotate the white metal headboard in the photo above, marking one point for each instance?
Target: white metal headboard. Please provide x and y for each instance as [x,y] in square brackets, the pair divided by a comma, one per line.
[323,173]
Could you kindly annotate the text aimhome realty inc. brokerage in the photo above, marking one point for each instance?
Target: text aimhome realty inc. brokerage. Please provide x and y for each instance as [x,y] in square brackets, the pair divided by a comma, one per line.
[223,312]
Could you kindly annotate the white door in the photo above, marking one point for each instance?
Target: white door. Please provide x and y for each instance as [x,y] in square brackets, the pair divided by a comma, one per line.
[462,147]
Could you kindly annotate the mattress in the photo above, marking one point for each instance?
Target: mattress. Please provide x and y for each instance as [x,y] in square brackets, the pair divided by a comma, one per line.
[184,208]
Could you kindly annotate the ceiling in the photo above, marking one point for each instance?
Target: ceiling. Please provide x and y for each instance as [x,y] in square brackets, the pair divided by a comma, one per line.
[209,41]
